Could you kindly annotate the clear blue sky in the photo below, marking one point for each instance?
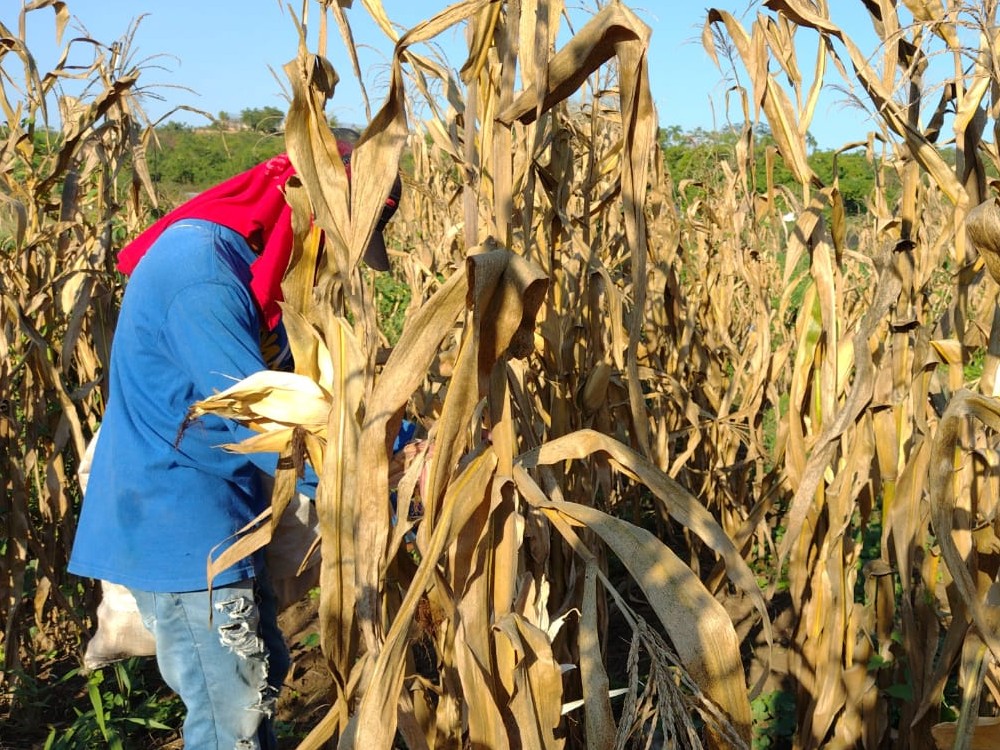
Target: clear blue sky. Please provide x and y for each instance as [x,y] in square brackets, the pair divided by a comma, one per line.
[216,55]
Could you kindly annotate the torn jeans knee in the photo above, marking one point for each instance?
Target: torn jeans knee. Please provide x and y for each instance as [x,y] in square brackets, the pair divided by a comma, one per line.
[240,635]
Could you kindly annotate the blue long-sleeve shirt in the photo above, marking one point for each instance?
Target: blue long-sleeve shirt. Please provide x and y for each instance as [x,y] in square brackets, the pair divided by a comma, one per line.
[159,498]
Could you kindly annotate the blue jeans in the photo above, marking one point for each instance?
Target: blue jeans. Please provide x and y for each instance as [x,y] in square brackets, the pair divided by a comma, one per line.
[228,673]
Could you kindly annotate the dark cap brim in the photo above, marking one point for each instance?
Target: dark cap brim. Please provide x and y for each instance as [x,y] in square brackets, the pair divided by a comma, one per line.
[376,255]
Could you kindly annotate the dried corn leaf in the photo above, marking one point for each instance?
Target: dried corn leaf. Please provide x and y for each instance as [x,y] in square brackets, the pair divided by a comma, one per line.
[376,715]
[986,735]
[944,464]
[698,626]
[598,720]
[313,151]
[537,699]
[836,421]
[679,503]
[773,100]
[893,113]
[486,724]
[299,282]
[336,500]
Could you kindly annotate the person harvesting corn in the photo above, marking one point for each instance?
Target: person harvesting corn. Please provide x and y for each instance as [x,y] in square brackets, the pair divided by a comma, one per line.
[198,313]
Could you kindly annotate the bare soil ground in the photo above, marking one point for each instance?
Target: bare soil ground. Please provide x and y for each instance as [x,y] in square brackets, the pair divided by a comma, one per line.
[306,696]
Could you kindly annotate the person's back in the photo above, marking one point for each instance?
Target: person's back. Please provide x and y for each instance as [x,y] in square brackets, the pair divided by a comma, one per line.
[162,495]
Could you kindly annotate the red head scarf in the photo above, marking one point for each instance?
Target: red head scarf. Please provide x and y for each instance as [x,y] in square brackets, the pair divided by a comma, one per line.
[252,204]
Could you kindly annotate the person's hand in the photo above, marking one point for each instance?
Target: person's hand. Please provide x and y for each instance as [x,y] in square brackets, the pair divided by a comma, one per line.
[411,453]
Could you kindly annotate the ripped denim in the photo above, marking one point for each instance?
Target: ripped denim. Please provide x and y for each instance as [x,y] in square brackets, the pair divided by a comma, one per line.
[228,674]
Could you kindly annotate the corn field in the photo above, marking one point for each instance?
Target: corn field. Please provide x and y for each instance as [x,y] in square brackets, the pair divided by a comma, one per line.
[653,425]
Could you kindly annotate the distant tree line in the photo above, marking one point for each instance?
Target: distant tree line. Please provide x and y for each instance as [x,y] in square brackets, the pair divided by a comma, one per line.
[695,155]
[258,119]
[191,159]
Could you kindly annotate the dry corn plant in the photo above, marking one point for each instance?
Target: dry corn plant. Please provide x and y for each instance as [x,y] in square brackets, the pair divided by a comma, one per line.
[65,197]
[880,628]
[526,345]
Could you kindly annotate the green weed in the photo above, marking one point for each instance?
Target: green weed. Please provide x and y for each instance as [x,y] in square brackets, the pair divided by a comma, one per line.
[126,708]
[392,297]
[773,720]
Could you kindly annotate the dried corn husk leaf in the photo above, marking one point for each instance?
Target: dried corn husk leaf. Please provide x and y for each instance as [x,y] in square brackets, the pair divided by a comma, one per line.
[21,217]
[376,716]
[944,464]
[595,389]
[698,626]
[986,735]
[309,352]
[983,225]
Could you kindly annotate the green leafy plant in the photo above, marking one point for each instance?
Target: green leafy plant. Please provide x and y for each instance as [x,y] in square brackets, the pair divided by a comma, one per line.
[773,719]
[392,298]
[128,708]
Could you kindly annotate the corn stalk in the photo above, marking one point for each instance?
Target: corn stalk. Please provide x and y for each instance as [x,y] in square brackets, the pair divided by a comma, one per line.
[65,196]
[507,578]
[858,456]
